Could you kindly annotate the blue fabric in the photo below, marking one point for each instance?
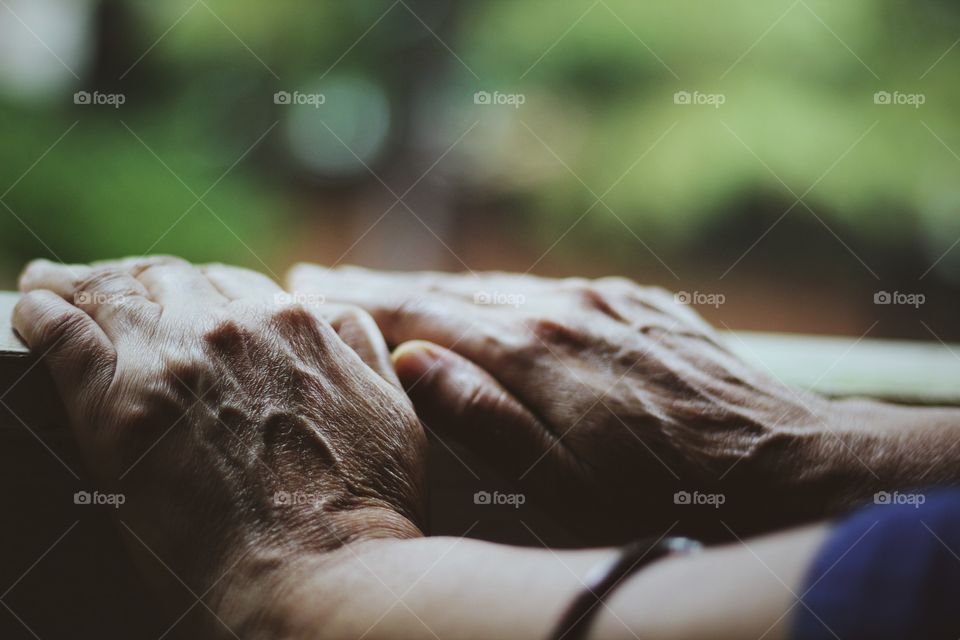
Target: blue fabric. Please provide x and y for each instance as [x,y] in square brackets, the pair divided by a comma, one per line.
[889,571]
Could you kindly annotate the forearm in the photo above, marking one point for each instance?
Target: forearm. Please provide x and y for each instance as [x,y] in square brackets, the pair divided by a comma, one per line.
[746,589]
[893,446]
[461,588]
[939,424]
[848,450]
[433,587]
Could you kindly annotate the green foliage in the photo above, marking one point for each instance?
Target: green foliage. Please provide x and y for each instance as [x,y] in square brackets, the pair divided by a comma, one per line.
[798,79]
[798,118]
[100,192]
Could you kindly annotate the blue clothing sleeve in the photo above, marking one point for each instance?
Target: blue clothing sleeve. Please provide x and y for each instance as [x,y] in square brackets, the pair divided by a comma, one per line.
[890,571]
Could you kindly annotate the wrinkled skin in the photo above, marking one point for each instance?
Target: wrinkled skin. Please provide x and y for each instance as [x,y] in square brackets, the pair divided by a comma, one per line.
[241,431]
[602,396]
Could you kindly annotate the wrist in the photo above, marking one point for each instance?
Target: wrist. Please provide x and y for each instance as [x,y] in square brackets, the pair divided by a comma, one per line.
[273,589]
[904,446]
[811,461]
[847,449]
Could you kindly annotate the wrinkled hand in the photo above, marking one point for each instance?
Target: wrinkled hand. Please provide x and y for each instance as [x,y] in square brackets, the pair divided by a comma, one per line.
[604,396]
[239,428]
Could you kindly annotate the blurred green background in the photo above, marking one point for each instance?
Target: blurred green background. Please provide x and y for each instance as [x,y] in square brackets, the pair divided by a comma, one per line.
[815,165]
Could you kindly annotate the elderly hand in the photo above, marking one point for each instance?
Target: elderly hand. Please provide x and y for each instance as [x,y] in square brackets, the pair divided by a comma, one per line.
[240,429]
[604,397]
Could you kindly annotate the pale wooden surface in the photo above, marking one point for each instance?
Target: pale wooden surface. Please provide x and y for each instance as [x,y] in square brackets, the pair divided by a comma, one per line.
[9,342]
[920,372]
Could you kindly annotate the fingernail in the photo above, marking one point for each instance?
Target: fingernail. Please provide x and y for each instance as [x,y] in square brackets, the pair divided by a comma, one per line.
[30,270]
[422,350]
[414,360]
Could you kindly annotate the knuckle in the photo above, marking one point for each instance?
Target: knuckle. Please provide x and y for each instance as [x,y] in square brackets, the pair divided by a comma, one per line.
[589,294]
[31,272]
[575,283]
[617,284]
[64,334]
[350,313]
[160,268]
[214,268]
[300,271]
[139,266]
[580,287]
[406,308]
[101,278]
[652,297]
[226,329]
[30,301]
[62,325]
[593,296]
[109,281]
[293,317]
[547,332]
[227,336]
[152,267]
[133,322]
[298,324]
[541,327]
[660,294]
[353,316]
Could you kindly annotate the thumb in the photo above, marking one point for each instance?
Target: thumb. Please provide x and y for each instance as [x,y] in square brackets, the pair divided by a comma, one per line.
[455,397]
[79,356]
